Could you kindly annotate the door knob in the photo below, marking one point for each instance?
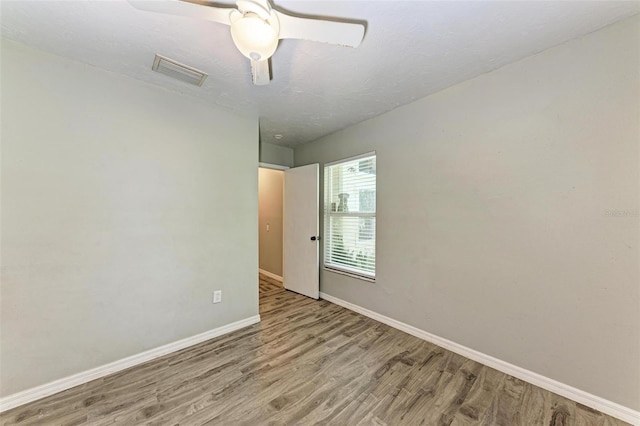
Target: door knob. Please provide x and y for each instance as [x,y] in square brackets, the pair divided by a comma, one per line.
[314,238]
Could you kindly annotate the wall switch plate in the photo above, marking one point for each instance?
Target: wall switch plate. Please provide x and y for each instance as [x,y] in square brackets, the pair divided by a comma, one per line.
[217,296]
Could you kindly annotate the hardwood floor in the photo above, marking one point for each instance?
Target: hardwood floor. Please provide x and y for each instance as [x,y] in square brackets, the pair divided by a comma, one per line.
[308,362]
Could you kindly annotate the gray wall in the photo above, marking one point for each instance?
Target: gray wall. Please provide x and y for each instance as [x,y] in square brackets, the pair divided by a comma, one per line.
[270,193]
[123,207]
[495,226]
[276,154]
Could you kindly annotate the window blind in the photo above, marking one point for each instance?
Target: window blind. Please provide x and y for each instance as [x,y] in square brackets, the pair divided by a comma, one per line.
[350,216]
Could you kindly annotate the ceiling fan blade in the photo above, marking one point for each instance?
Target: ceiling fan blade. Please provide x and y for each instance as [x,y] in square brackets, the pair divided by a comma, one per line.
[342,33]
[186,9]
[260,72]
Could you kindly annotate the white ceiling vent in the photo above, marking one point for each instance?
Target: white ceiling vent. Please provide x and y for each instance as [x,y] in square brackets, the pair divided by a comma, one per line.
[179,71]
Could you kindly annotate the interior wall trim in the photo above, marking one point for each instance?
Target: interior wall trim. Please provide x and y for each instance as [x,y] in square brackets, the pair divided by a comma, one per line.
[271,275]
[273,166]
[38,392]
[608,407]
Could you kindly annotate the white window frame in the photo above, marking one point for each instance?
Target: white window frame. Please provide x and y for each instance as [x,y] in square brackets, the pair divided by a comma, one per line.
[328,213]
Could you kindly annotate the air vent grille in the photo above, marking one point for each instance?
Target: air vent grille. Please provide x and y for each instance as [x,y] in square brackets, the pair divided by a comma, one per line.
[179,71]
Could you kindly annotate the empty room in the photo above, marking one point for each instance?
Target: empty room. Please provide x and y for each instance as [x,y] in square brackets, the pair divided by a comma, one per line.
[299,212]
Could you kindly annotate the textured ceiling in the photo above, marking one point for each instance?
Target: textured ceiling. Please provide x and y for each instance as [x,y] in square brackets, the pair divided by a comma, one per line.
[411,49]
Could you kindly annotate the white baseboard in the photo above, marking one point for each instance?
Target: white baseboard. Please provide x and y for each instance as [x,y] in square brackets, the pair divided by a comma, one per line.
[271,275]
[56,386]
[608,407]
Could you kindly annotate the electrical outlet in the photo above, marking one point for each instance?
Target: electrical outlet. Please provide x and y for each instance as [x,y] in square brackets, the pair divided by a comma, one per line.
[217,296]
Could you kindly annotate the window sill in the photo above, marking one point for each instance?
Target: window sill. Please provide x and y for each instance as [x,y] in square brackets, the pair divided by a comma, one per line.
[350,274]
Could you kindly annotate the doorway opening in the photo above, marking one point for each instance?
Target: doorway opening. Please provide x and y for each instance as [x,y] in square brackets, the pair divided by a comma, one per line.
[270,228]
[288,240]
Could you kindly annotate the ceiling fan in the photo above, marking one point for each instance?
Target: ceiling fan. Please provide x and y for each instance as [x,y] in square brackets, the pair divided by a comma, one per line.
[256,27]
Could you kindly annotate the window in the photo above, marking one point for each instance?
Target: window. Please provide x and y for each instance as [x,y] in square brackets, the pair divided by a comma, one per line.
[350,216]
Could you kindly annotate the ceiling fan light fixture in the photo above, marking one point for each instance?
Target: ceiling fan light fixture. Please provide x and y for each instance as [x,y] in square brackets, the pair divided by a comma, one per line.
[256,38]
[257,28]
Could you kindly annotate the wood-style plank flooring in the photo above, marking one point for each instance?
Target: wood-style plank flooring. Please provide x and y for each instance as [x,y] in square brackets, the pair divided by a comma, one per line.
[308,362]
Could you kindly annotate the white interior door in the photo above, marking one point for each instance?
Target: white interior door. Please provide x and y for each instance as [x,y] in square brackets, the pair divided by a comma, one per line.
[300,228]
